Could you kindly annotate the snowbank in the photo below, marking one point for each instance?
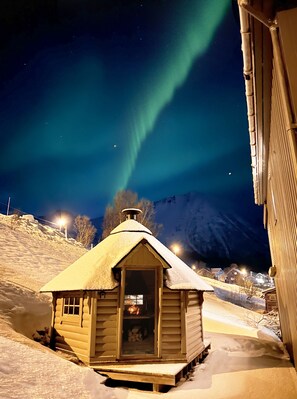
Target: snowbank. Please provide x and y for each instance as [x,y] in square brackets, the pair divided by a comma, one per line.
[28,373]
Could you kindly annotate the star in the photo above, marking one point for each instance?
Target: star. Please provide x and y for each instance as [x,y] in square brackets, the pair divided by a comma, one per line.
[114,146]
[230,173]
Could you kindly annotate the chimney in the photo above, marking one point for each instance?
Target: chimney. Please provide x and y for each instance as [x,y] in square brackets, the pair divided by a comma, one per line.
[131,213]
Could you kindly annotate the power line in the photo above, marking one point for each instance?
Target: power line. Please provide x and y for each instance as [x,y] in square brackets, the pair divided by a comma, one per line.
[25,213]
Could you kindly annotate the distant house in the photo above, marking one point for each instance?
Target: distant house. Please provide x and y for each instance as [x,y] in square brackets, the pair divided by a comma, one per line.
[129,301]
[217,273]
[270,299]
[261,280]
[233,276]
[205,272]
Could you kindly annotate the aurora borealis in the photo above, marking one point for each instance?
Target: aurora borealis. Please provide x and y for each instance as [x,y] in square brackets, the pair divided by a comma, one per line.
[192,36]
[97,96]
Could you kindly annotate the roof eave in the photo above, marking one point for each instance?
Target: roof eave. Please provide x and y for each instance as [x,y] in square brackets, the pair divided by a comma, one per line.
[257,55]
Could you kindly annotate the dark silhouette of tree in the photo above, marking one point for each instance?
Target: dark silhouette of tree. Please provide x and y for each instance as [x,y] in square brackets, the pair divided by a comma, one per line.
[85,230]
[129,199]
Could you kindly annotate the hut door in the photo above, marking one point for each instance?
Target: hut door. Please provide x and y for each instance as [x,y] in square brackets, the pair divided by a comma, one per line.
[139,313]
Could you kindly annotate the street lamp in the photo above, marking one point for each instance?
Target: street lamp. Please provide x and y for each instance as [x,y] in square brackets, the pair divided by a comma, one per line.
[176,249]
[62,223]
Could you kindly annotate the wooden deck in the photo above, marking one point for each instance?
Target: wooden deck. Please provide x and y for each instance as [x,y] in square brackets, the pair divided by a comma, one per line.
[157,374]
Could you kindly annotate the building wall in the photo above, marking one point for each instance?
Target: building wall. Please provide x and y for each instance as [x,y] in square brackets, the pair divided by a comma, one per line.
[194,332]
[282,190]
[271,301]
[106,325]
[71,332]
[171,324]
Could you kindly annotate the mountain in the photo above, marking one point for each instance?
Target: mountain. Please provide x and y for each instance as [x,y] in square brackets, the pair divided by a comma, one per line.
[218,232]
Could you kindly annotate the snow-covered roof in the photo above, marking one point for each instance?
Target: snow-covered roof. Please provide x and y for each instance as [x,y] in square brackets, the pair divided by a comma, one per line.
[94,270]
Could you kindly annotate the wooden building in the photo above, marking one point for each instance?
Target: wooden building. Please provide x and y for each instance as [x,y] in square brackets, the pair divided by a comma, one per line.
[269,45]
[270,299]
[129,301]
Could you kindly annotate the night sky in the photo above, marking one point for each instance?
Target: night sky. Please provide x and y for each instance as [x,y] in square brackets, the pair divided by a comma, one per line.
[98,96]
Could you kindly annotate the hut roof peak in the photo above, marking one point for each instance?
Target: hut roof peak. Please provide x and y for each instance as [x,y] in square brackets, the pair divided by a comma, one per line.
[132,226]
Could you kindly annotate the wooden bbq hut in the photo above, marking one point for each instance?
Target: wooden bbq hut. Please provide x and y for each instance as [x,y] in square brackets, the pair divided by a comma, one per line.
[127,304]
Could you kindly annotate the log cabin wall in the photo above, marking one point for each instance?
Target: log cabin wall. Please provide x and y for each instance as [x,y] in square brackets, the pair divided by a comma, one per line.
[282,185]
[71,332]
[194,333]
[106,325]
[171,325]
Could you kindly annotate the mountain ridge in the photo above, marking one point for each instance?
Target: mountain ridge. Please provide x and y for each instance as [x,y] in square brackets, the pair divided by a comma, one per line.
[214,232]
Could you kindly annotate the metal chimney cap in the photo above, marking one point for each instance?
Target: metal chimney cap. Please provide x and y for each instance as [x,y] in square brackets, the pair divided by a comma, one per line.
[131,213]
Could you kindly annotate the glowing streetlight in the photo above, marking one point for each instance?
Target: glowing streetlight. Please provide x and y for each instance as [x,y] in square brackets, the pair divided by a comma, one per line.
[176,249]
[244,271]
[62,223]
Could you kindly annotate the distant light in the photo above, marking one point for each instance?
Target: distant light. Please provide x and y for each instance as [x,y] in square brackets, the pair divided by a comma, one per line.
[176,248]
[243,271]
[260,280]
[230,173]
[62,223]
[114,146]
[193,267]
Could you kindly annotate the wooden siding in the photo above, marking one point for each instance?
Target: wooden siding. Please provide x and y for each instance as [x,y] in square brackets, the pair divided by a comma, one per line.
[142,256]
[171,323]
[194,335]
[282,212]
[71,333]
[287,25]
[106,325]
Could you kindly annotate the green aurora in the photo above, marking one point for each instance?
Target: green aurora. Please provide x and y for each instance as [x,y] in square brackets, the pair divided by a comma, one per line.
[191,38]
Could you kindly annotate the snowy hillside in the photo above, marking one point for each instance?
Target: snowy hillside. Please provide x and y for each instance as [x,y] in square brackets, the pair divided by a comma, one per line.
[32,253]
[245,362]
[209,231]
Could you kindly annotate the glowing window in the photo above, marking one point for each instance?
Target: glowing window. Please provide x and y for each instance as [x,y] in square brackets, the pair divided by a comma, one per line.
[133,299]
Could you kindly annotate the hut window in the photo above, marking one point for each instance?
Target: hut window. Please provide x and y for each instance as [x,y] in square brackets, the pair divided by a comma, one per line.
[133,299]
[71,306]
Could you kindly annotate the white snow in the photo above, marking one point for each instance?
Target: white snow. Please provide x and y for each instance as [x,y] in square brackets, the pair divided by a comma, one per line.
[31,254]
[236,294]
[27,372]
[244,362]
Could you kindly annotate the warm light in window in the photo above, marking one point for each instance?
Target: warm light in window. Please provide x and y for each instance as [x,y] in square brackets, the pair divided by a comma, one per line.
[134,309]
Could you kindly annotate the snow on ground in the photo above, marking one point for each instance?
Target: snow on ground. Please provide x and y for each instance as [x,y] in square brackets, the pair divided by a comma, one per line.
[244,362]
[31,373]
[236,294]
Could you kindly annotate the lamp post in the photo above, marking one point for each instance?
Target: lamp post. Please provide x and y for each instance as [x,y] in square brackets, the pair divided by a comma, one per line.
[62,222]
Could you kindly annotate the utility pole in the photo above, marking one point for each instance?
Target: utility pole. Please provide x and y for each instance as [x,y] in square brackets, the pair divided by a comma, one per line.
[8,205]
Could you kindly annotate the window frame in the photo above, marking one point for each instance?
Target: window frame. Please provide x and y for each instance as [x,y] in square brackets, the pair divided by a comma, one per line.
[72,318]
